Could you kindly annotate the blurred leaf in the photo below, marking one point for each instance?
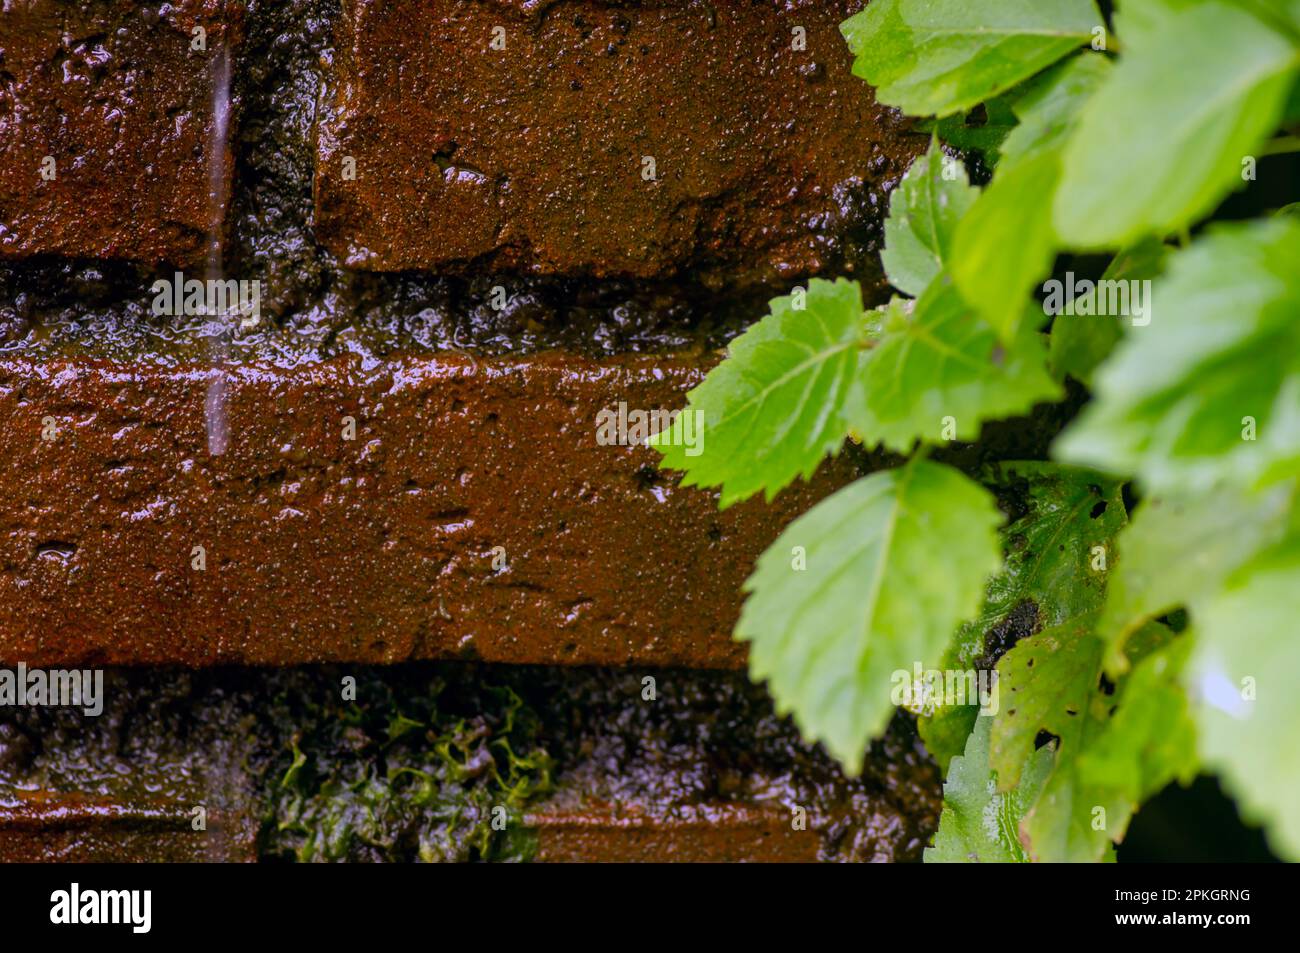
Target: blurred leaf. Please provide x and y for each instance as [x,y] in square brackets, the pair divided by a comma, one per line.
[1242,676]
[1179,548]
[923,214]
[1209,393]
[1162,142]
[1083,336]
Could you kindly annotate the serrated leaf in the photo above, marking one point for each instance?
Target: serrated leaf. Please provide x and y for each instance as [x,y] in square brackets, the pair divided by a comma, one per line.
[1223,345]
[1048,575]
[923,214]
[894,563]
[1246,730]
[1180,547]
[1161,143]
[1082,337]
[979,823]
[936,359]
[937,57]
[773,409]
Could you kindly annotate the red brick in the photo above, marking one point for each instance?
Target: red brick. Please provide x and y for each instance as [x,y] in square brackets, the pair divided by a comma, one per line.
[531,157]
[113,92]
[711,834]
[378,549]
[42,826]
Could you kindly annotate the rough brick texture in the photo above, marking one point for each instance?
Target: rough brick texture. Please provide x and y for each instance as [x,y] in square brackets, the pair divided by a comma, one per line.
[115,96]
[719,834]
[381,548]
[44,827]
[532,156]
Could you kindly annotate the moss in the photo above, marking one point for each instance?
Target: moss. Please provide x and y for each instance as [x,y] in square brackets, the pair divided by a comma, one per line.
[412,770]
[397,776]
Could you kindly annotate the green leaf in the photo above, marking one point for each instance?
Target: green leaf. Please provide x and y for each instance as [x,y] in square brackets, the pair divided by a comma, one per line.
[923,215]
[1050,106]
[1108,768]
[894,563]
[1149,741]
[1047,682]
[981,130]
[1082,337]
[1161,143]
[1140,22]
[1177,401]
[1052,557]
[774,408]
[1052,683]
[935,360]
[1178,548]
[946,731]
[980,824]
[937,57]
[1291,112]
[1048,576]
[1247,729]
[1006,243]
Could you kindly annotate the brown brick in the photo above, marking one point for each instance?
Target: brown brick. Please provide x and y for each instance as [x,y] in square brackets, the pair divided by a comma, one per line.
[531,157]
[726,833]
[42,826]
[719,779]
[115,95]
[377,549]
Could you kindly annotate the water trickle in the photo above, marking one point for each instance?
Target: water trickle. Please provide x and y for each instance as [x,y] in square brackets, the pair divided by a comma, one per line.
[216,794]
[214,405]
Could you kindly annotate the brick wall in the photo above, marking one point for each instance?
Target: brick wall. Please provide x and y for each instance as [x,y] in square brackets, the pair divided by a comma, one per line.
[494,140]
[472,226]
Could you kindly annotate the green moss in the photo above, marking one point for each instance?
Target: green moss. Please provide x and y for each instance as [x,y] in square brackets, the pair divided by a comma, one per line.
[400,776]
